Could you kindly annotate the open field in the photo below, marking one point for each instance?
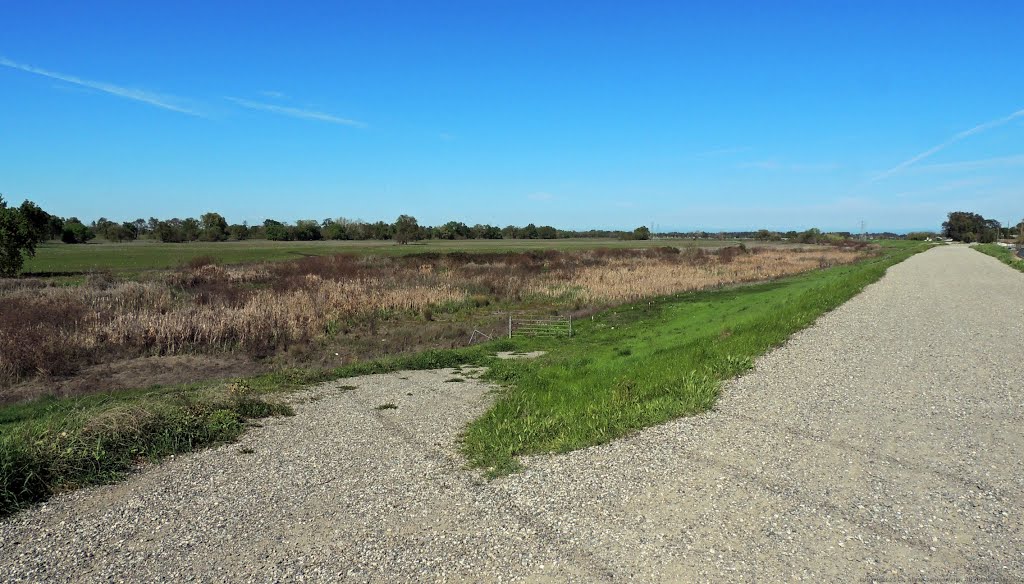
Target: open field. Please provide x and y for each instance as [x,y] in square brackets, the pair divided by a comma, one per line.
[50,445]
[348,306]
[61,259]
[873,466]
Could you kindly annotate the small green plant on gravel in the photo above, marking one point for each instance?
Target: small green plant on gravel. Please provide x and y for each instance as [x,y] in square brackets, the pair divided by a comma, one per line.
[454,380]
[223,425]
[387,406]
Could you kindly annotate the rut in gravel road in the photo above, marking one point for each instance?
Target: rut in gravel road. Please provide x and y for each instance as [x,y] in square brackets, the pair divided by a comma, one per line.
[883,443]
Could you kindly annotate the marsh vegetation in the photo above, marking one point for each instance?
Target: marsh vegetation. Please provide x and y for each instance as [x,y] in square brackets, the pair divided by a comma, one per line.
[337,309]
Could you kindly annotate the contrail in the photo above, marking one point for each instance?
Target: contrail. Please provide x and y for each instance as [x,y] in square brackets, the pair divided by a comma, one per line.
[953,140]
[154,99]
[296,112]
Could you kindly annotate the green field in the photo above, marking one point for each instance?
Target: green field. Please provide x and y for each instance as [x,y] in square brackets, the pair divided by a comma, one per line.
[61,259]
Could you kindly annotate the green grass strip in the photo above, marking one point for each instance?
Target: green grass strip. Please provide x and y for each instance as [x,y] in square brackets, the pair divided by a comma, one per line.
[1002,254]
[646,363]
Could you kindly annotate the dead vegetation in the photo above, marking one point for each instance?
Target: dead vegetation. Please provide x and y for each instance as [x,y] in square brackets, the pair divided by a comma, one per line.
[263,310]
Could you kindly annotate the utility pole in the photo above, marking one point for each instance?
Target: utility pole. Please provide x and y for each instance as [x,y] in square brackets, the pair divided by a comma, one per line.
[863,231]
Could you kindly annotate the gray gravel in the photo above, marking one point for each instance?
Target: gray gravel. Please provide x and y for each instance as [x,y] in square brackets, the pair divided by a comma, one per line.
[881,444]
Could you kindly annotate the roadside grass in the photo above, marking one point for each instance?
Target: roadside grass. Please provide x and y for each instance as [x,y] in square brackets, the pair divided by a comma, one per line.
[51,445]
[47,447]
[630,367]
[645,363]
[1002,254]
[71,262]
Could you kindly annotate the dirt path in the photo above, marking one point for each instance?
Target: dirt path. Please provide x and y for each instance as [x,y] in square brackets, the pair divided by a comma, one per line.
[881,444]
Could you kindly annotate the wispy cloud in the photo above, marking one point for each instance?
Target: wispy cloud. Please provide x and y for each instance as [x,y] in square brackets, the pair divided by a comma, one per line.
[953,140]
[162,101]
[273,94]
[954,186]
[1001,161]
[295,112]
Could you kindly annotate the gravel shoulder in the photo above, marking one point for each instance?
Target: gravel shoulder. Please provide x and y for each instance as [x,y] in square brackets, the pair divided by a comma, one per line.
[880,444]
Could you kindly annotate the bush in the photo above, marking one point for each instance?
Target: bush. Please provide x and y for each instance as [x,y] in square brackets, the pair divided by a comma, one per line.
[76,232]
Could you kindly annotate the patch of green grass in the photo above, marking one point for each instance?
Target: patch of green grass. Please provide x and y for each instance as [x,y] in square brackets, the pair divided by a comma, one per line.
[639,365]
[1002,254]
[387,406]
[56,258]
[54,445]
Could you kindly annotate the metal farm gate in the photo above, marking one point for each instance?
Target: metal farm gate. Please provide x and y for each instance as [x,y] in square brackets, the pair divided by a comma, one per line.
[539,325]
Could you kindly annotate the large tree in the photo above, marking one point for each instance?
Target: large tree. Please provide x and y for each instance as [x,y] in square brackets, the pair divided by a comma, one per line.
[213,227]
[42,224]
[970,227]
[642,233]
[406,229]
[18,238]
[276,231]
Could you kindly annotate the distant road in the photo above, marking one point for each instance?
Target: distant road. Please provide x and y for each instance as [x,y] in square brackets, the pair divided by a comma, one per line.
[884,443]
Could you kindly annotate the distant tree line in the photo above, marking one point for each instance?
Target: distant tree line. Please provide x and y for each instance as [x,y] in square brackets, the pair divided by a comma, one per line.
[812,235]
[24,227]
[214,227]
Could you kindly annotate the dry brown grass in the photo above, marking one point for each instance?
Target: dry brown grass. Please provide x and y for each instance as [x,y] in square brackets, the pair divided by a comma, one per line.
[266,308]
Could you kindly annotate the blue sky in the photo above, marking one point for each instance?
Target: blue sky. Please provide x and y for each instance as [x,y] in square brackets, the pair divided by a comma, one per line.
[710,115]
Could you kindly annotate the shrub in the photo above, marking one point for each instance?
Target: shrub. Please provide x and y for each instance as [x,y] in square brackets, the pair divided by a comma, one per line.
[200,262]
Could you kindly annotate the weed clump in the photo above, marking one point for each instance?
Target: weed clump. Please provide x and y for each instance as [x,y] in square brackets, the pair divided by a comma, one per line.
[60,448]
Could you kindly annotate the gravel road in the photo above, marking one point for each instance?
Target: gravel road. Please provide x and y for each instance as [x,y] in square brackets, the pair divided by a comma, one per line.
[881,444]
